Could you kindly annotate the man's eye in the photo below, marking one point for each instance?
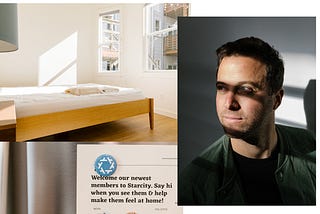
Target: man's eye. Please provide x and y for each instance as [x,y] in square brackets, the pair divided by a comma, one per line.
[245,90]
[221,88]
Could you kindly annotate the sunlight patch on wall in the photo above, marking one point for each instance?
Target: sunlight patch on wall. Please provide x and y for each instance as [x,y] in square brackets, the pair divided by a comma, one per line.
[300,68]
[291,112]
[58,66]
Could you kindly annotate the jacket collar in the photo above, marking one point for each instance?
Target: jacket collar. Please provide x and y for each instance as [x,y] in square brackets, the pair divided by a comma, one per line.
[283,146]
[230,181]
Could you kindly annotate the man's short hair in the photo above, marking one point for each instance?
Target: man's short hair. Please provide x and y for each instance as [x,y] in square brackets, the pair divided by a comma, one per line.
[261,51]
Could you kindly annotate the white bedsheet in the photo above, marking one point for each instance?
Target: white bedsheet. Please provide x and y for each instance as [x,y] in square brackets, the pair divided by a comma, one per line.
[41,100]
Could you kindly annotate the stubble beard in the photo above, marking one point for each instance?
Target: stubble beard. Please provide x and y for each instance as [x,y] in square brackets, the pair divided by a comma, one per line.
[248,133]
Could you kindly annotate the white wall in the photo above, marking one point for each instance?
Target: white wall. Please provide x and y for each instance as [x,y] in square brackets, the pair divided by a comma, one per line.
[299,69]
[53,38]
[58,45]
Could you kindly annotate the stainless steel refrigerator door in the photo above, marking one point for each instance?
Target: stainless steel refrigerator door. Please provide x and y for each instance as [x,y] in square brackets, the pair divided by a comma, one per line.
[51,174]
[4,173]
[42,178]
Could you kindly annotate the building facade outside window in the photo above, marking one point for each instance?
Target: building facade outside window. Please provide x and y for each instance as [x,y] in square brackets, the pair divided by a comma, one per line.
[109,41]
[162,35]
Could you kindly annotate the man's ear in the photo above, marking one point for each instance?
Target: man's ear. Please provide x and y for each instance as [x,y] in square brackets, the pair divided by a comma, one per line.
[278,99]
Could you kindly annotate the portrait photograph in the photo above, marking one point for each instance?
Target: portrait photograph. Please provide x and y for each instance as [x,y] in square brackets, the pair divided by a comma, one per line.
[246,111]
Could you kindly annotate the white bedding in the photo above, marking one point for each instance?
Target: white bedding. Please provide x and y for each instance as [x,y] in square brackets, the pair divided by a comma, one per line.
[41,100]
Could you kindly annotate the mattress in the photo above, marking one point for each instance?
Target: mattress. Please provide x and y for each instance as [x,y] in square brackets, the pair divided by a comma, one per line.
[30,101]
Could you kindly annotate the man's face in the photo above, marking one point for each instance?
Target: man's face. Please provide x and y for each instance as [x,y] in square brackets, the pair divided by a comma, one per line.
[243,105]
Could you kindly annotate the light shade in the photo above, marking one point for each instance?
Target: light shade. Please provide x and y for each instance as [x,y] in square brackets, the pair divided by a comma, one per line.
[8,27]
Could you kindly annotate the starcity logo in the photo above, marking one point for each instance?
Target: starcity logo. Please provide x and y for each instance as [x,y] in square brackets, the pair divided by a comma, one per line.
[105,165]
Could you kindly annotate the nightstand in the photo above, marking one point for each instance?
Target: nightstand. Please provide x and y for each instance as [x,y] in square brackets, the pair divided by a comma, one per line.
[7,121]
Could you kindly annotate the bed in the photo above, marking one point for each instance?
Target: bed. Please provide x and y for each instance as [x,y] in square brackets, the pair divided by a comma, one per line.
[43,111]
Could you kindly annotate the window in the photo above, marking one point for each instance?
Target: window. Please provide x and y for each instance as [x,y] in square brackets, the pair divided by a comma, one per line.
[161,35]
[109,41]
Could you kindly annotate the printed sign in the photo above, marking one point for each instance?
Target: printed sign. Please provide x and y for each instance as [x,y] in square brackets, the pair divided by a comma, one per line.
[128,179]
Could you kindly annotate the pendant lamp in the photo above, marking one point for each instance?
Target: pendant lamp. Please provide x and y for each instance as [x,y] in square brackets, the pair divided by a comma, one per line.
[8,27]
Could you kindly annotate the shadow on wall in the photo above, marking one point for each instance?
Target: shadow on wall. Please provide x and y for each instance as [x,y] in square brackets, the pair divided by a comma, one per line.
[309,102]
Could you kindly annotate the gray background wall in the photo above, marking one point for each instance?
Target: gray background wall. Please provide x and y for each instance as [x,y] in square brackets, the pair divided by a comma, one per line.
[199,37]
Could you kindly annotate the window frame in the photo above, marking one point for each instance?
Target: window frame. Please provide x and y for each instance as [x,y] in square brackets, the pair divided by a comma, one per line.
[101,44]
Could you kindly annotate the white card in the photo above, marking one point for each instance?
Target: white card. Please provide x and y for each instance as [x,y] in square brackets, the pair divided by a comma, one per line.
[128,179]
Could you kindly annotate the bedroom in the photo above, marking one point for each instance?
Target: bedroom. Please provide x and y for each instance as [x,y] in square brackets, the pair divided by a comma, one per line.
[59,45]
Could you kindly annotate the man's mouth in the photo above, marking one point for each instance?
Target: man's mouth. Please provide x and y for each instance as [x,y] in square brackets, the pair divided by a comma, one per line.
[232,118]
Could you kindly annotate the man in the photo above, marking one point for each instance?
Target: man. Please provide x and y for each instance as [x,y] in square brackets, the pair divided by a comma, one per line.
[256,162]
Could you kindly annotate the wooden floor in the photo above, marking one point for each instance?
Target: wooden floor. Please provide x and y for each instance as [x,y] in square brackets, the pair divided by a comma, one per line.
[133,129]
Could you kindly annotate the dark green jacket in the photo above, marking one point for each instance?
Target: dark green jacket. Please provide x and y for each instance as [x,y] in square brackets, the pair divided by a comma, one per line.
[212,177]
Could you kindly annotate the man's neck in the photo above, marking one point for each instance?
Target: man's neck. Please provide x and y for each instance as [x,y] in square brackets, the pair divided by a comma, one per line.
[261,149]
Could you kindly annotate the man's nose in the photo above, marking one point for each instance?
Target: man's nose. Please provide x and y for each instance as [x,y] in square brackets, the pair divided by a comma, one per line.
[231,102]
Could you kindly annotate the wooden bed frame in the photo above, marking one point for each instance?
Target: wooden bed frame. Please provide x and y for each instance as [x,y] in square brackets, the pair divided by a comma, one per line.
[32,127]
